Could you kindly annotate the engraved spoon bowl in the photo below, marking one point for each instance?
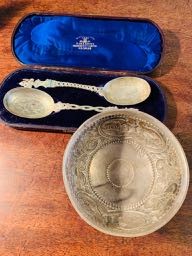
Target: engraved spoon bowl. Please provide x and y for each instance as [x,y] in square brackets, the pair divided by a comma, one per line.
[125,173]
[28,103]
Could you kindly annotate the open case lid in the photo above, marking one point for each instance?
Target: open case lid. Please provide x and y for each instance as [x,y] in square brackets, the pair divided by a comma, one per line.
[133,45]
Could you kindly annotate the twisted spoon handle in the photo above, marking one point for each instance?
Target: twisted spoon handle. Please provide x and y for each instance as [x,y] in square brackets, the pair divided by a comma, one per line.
[67,106]
[48,83]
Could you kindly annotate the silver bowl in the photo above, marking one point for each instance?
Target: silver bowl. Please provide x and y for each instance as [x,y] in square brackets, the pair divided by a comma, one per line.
[125,173]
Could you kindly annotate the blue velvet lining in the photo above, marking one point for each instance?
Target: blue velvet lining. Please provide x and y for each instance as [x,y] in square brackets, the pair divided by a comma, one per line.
[155,105]
[111,44]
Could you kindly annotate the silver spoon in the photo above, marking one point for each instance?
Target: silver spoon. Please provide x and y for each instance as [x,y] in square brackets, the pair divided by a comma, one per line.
[120,91]
[34,103]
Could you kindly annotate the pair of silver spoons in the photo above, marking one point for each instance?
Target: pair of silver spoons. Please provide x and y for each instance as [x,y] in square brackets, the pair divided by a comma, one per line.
[32,103]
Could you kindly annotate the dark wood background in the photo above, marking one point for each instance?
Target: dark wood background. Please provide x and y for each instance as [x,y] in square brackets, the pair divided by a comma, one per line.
[36,217]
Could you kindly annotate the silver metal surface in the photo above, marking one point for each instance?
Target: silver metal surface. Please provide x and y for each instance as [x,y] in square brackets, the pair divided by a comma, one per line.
[125,173]
[126,90]
[119,91]
[34,103]
[28,103]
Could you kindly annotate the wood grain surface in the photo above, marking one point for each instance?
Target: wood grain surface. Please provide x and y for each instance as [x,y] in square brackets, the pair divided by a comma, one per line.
[36,217]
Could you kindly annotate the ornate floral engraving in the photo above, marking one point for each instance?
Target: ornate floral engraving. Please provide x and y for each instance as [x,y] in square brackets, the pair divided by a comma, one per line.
[124,174]
[33,107]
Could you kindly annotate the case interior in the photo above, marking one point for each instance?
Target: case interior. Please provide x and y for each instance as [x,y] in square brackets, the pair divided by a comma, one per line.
[133,45]
[69,120]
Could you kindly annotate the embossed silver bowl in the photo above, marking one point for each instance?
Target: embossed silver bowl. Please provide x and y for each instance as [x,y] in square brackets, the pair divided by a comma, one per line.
[125,173]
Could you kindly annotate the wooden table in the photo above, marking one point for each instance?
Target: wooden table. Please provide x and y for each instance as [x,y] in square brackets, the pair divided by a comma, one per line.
[36,217]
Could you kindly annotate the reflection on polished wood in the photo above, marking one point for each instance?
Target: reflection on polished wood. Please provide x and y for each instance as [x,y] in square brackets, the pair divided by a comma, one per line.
[36,217]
